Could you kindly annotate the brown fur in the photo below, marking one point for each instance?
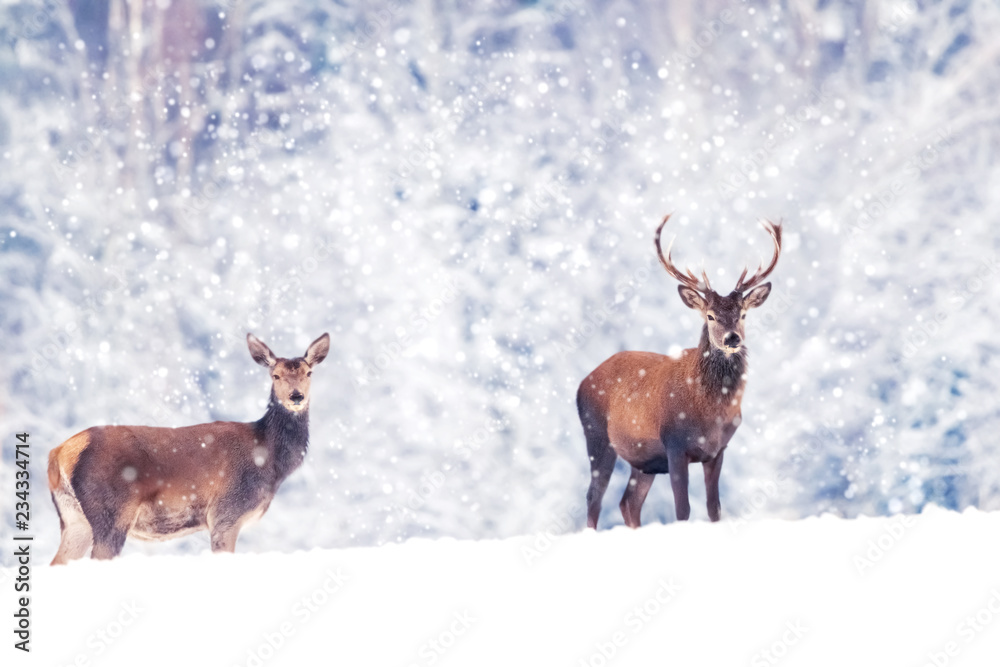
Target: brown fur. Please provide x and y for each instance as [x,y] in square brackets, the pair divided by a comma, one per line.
[158,483]
[645,395]
[660,413]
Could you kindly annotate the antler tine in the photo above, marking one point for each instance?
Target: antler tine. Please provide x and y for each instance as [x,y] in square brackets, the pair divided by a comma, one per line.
[688,280]
[761,273]
[704,276]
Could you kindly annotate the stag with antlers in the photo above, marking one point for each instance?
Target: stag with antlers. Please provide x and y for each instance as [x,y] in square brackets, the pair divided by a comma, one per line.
[662,413]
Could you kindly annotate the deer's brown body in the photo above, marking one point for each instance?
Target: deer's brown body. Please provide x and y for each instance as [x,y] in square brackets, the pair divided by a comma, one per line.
[110,482]
[662,413]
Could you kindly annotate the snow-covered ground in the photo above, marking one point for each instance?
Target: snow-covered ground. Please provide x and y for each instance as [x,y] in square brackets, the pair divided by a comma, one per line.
[906,590]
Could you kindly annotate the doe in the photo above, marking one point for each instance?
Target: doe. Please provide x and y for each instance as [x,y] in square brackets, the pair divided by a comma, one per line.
[109,482]
[661,413]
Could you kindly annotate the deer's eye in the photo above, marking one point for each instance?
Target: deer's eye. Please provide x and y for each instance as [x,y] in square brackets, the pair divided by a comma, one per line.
[711,319]
[276,377]
[743,316]
[309,374]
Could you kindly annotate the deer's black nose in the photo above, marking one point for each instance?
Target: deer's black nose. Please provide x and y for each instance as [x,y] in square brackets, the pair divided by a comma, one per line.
[732,340]
[297,397]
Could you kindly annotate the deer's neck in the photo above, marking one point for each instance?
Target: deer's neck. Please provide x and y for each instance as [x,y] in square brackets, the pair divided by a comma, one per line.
[285,436]
[720,373]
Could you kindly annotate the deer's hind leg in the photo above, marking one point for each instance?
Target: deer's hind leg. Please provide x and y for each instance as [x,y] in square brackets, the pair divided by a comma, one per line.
[76,538]
[602,455]
[602,460]
[634,496]
[111,523]
[602,464]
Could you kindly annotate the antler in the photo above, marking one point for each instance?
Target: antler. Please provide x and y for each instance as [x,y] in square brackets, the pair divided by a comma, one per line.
[689,279]
[758,277]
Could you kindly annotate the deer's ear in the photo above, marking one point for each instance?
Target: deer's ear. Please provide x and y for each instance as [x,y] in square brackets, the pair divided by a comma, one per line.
[757,296]
[261,353]
[691,298]
[318,350]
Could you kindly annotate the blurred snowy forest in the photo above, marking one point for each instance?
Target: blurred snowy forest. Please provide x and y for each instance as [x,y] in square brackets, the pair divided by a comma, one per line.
[464,195]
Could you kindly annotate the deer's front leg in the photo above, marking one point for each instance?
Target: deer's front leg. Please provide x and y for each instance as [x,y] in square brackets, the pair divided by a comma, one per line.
[677,462]
[224,537]
[713,468]
[224,525]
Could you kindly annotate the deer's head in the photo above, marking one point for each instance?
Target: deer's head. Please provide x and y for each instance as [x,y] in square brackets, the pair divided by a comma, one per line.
[290,378]
[724,315]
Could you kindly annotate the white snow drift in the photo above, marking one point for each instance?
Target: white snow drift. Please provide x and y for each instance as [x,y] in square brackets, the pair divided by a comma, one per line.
[902,590]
